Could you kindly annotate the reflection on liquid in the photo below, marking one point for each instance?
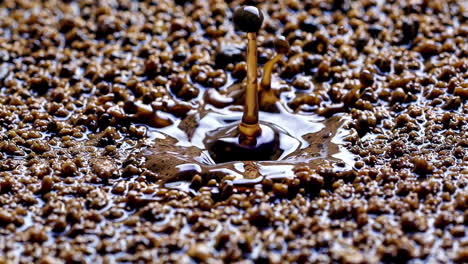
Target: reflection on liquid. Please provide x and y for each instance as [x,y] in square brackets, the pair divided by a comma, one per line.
[311,140]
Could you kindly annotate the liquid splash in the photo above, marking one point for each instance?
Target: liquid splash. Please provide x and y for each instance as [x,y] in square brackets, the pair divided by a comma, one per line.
[179,151]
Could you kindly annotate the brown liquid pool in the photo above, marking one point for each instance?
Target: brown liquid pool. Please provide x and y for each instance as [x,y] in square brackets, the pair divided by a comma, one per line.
[120,140]
[302,140]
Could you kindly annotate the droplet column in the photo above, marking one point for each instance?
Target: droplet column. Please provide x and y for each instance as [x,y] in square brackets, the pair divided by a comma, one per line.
[249,126]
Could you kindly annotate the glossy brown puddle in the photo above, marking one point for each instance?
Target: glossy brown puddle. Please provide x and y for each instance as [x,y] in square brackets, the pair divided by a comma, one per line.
[303,140]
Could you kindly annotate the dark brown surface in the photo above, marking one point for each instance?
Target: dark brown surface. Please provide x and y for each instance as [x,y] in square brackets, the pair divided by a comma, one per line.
[85,85]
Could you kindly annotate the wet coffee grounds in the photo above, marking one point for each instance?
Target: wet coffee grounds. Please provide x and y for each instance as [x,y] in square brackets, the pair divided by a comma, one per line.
[106,108]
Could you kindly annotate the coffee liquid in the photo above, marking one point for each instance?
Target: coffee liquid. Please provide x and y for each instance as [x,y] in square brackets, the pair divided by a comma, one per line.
[249,127]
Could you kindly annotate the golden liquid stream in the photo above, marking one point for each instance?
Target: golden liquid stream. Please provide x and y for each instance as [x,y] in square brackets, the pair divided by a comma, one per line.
[249,127]
[265,84]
